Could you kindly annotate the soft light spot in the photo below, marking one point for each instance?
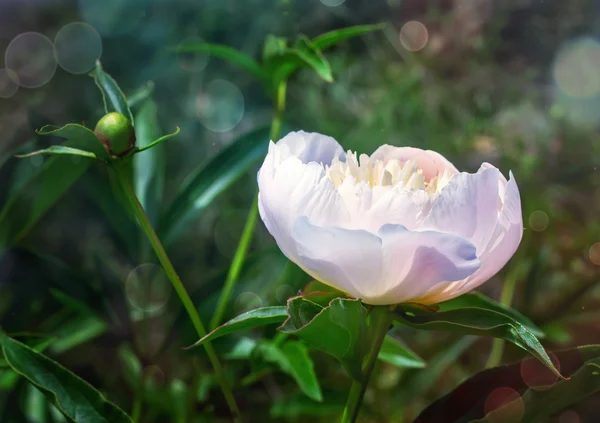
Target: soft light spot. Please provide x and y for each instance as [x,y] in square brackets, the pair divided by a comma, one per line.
[504,405]
[576,67]
[538,221]
[78,46]
[31,57]
[536,375]
[220,106]
[193,62]
[9,83]
[147,288]
[247,301]
[413,35]
[569,416]
[594,253]
[332,3]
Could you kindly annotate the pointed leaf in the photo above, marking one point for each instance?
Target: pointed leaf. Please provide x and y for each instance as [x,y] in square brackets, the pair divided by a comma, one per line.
[225,52]
[36,194]
[395,352]
[113,97]
[339,329]
[482,322]
[60,150]
[481,301]
[211,179]
[466,403]
[333,37]
[312,56]
[78,137]
[139,96]
[158,141]
[149,166]
[293,359]
[251,319]
[74,397]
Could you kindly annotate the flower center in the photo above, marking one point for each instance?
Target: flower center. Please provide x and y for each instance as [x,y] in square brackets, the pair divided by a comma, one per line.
[378,173]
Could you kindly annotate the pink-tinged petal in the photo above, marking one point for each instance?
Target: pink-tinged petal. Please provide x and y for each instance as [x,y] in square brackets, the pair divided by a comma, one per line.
[293,189]
[346,259]
[311,147]
[430,162]
[416,261]
[399,206]
[501,247]
[468,207]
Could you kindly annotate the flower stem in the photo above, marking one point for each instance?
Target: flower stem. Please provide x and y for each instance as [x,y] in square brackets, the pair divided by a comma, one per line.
[380,322]
[138,211]
[242,249]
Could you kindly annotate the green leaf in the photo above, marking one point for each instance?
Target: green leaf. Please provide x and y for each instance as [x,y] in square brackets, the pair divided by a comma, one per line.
[139,96]
[393,351]
[60,150]
[481,301]
[306,51]
[211,179]
[333,37]
[36,194]
[274,46]
[74,397]
[251,319]
[112,96]
[478,321]
[225,52]
[293,359]
[154,143]
[339,329]
[466,403]
[149,166]
[35,405]
[78,137]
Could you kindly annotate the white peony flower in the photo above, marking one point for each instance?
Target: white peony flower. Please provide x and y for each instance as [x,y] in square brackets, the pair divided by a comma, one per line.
[401,225]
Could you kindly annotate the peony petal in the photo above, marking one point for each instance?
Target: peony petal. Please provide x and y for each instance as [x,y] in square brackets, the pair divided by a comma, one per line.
[311,147]
[430,162]
[468,207]
[398,206]
[346,259]
[296,189]
[501,247]
[415,261]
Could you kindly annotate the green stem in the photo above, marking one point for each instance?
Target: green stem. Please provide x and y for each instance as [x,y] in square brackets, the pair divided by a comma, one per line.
[242,249]
[140,214]
[380,322]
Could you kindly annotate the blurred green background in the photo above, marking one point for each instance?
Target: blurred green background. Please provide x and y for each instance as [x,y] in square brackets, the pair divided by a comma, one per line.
[515,83]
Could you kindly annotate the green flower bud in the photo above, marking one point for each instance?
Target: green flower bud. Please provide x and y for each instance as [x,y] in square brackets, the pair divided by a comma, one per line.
[116,133]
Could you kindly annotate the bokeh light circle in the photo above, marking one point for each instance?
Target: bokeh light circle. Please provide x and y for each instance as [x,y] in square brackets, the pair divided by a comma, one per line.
[220,106]
[413,35]
[247,301]
[332,3]
[193,62]
[8,83]
[78,45]
[147,288]
[504,405]
[576,67]
[113,17]
[594,253]
[536,375]
[538,221]
[31,57]
[569,416]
